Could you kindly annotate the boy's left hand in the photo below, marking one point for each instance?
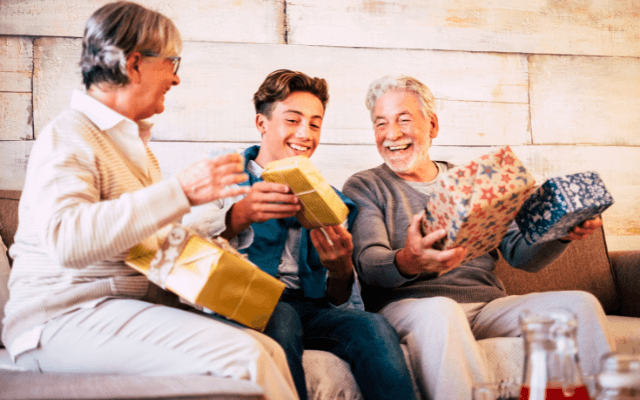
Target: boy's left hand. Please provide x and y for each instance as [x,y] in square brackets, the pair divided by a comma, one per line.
[585,229]
[335,249]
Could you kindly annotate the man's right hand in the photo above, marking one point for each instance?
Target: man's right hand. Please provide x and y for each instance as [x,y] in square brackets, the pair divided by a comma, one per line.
[418,254]
[265,201]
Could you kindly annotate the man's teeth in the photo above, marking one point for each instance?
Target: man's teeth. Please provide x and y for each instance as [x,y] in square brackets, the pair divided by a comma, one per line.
[299,148]
[400,147]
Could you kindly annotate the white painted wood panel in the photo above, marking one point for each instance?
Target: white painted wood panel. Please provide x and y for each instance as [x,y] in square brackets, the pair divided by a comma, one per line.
[599,27]
[16,64]
[338,162]
[255,21]
[15,116]
[585,100]
[14,156]
[56,74]
[481,98]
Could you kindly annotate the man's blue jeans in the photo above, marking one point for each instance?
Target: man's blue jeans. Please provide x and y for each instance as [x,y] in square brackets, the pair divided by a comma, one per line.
[364,340]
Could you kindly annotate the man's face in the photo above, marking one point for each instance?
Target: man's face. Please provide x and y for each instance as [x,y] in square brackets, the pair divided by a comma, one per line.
[293,129]
[403,133]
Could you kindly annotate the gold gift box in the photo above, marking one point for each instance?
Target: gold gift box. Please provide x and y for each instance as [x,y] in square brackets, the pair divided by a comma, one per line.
[321,205]
[211,274]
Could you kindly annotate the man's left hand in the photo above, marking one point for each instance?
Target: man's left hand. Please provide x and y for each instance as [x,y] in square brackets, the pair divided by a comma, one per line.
[585,229]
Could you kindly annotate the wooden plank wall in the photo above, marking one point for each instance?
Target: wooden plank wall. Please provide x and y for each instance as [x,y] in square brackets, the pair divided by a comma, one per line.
[558,81]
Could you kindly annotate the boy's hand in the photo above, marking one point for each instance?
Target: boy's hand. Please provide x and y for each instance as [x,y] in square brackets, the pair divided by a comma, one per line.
[335,249]
[265,201]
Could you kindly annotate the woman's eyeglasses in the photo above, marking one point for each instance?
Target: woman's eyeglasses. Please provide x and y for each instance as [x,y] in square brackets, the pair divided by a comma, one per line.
[175,60]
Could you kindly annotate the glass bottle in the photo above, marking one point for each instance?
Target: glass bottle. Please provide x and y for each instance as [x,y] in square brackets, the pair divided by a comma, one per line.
[551,367]
[619,377]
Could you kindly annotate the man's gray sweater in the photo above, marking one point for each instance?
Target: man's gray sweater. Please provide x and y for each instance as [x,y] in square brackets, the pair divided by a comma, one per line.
[386,205]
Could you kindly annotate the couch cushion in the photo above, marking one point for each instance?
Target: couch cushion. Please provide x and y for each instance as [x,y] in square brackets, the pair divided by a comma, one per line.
[4,279]
[583,266]
[9,201]
[505,357]
[626,333]
[30,385]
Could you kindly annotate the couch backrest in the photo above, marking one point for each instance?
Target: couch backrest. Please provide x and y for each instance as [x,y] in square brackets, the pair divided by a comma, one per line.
[584,266]
[9,200]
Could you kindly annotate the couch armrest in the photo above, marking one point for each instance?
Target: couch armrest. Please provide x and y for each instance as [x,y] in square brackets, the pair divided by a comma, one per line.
[625,266]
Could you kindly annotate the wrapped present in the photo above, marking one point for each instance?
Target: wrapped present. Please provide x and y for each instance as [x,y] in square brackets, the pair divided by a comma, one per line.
[561,203]
[208,273]
[475,203]
[321,205]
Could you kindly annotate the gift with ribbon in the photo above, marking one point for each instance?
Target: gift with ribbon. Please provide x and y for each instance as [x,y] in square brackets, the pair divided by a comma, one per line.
[208,273]
[561,203]
[321,205]
[476,202]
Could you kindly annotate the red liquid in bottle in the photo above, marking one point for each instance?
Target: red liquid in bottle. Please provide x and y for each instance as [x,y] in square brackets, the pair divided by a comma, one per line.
[556,393]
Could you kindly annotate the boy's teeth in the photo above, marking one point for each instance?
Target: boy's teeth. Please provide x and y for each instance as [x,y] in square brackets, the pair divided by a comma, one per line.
[299,148]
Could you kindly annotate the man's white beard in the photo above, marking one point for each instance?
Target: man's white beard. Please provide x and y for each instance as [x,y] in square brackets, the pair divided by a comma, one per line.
[401,168]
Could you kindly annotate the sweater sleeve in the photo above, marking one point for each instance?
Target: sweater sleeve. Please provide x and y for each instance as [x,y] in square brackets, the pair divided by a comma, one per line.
[373,255]
[75,224]
[529,257]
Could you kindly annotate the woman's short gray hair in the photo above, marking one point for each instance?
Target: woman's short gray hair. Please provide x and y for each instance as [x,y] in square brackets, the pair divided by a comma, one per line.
[387,83]
[118,29]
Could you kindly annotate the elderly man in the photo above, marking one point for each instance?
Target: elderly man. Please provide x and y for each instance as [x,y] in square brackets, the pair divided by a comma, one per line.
[440,311]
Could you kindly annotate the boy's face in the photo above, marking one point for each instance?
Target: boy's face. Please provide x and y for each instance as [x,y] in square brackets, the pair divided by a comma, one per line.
[293,129]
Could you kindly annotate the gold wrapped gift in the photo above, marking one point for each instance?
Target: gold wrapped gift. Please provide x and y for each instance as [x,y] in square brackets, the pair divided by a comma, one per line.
[321,205]
[211,274]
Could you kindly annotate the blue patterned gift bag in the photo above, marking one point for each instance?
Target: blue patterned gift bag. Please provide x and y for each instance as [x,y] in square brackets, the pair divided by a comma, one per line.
[561,203]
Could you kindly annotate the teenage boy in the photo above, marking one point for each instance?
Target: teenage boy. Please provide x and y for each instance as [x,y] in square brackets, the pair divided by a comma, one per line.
[315,311]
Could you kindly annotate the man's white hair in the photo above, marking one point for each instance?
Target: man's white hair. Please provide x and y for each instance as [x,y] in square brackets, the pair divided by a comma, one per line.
[379,87]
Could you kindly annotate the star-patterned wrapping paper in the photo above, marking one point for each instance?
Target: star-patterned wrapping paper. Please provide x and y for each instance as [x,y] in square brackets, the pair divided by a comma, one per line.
[209,274]
[561,203]
[477,202]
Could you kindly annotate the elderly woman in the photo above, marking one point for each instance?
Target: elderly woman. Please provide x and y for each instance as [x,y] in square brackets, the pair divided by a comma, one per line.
[93,191]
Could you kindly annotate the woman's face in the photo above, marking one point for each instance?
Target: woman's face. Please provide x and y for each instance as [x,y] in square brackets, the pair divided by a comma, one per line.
[156,78]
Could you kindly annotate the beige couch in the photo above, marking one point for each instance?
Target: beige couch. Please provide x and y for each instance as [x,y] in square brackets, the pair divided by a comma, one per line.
[614,278]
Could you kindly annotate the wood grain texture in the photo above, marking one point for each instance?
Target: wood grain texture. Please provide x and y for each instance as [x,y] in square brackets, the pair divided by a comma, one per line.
[254,21]
[481,98]
[56,74]
[16,116]
[16,64]
[600,27]
[14,156]
[585,100]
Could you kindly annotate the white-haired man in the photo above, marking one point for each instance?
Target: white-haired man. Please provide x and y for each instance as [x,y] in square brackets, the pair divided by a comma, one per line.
[440,311]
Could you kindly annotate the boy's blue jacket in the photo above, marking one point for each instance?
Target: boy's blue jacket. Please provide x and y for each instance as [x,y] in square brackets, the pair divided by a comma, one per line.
[270,237]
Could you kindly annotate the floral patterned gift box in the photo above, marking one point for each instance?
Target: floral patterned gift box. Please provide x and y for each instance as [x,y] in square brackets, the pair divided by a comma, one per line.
[477,202]
[560,204]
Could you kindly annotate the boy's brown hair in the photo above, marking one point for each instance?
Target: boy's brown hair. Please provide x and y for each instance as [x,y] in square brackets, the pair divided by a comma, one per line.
[279,84]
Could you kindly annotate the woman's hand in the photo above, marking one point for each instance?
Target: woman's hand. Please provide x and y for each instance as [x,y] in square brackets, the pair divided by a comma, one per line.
[209,180]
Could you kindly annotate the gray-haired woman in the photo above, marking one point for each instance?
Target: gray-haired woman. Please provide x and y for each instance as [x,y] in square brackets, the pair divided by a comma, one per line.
[93,190]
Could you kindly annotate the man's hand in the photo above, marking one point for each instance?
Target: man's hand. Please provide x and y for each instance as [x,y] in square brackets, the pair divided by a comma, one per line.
[585,229]
[335,251]
[209,180]
[419,256]
[265,201]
